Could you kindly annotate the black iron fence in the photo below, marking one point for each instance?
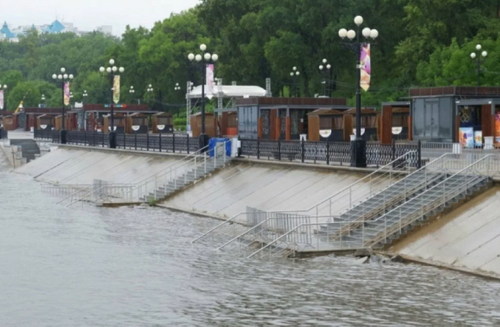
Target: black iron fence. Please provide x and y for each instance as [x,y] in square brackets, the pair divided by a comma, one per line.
[338,153]
[4,134]
[146,142]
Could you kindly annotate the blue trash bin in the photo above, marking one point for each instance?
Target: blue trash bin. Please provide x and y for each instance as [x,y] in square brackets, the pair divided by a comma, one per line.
[213,143]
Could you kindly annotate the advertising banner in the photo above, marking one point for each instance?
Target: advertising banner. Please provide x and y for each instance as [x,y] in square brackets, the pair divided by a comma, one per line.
[365,66]
[478,139]
[466,137]
[66,94]
[116,89]
[497,127]
[210,81]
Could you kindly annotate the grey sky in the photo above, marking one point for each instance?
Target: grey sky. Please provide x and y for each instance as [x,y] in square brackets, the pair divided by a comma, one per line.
[87,14]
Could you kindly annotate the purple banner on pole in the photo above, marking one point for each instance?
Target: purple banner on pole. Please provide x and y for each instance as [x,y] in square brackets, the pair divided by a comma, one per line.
[365,66]
[66,94]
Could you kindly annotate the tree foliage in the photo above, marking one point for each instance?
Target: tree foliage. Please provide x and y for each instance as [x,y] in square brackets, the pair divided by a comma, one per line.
[422,42]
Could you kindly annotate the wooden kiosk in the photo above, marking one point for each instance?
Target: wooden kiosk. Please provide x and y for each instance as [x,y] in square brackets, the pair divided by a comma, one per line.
[136,123]
[328,125]
[210,126]
[45,122]
[369,123]
[163,122]
[395,122]
[120,123]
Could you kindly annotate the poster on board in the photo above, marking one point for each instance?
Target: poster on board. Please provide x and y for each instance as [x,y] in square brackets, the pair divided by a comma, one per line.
[497,127]
[466,137]
[478,139]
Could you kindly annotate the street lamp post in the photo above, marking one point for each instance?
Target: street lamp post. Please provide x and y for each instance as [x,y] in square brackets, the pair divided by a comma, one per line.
[324,69]
[4,88]
[294,74]
[150,91]
[63,77]
[477,57]
[358,146]
[177,88]
[42,101]
[112,70]
[202,60]
[84,114]
[131,91]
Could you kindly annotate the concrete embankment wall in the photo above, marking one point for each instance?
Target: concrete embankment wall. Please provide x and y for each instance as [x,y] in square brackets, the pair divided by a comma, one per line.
[270,187]
[75,165]
[467,238]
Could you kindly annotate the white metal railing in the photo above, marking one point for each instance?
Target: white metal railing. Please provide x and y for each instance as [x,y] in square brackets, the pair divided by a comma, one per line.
[473,173]
[356,191]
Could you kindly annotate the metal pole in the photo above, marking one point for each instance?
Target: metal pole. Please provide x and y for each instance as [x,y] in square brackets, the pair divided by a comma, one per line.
[478,71]
[358,146]
[62,89]
[203,78]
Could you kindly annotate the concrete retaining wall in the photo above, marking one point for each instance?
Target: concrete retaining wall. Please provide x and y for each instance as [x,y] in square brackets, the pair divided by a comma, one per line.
[467,238]
[264,186]
[78,165]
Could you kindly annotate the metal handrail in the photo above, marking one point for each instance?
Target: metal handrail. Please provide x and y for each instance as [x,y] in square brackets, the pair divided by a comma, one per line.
[378,171]
[445,194]
[147,178]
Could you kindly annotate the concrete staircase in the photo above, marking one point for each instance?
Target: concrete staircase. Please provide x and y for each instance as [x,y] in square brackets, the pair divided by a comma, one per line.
[29,148]
[191,175]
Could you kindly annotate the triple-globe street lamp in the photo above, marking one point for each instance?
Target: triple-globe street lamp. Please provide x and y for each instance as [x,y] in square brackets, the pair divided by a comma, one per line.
[150,91]
[477,57]
[112,70]
[294,74]
[358,146]
[324,69]
[63,78]
[202,60]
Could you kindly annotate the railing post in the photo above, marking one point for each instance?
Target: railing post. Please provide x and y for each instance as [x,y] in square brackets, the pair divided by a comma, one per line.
[159,140]
[147,142]
[279,150]
[187,142]
[93,139]
[393,153]
[124,140]
[419,154]
[135,140]
[85,138]
[103,140]
[173,141]
[258,148]
[302,148]
[327,153]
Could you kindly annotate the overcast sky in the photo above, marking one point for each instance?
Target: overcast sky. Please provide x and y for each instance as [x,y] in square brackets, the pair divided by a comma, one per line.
[88,14]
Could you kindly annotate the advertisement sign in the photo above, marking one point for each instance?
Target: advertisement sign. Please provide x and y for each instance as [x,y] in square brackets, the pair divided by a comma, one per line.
[116,89]
[478,139]
[466,137]
[66,94]
[365,66]
[325,133]
[497,127]
[210,81]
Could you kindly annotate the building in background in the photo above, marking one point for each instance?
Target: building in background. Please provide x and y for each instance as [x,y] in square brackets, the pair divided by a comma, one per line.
[12,34]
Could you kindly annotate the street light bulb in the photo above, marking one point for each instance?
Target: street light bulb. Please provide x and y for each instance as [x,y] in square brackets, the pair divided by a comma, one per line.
[478,47]
[351,34]
[358,20]
[291,74]
[324,61]
[294,68]
[374,34]
[298,73]
[65,76]
[328,66]
[63,70]
[54,76]
[198,57]
[71,76]
[473,55]
[150,86]
[191,56]
[366,32]
[102,69]
[5,85]
[131,87]
[59,76]
[111,62]
[203,47]
[484,54]
[114,69]
[215,57]
[108,69]
[121,69]
[320,67]
[343,33]
[207,56]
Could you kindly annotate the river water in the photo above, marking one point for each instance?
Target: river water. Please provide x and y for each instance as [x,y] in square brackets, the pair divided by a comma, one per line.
[88,266]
